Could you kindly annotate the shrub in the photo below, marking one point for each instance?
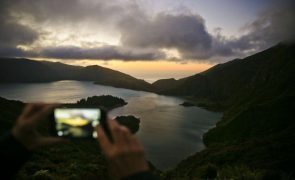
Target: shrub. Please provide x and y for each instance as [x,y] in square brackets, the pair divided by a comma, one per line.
[240,172]
[42,174]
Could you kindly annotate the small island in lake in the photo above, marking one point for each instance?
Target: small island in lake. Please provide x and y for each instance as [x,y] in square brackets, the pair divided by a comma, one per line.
[187,104]
[131,122]
[107,102]
[71,160]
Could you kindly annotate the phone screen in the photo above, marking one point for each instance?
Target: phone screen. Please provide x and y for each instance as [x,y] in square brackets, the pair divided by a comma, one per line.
[77,122]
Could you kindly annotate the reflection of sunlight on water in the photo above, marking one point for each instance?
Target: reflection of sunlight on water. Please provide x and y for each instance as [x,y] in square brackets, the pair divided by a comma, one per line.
[168,131]
[165,125]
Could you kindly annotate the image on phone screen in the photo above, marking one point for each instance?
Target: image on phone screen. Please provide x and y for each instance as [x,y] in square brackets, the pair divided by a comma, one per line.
[76,123]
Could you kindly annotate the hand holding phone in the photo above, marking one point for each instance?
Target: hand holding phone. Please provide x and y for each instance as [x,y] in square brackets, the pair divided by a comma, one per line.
[79,122]
[26,129]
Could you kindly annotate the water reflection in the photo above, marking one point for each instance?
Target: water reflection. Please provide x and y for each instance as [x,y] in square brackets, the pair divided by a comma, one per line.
[168,131]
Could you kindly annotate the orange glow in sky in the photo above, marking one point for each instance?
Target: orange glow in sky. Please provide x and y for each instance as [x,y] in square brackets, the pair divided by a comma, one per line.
[148,70]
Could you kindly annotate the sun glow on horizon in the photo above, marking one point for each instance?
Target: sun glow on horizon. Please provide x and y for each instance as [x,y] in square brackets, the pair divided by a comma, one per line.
[147,70]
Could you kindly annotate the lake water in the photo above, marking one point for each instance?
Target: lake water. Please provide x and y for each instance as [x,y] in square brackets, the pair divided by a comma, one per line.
[169,132]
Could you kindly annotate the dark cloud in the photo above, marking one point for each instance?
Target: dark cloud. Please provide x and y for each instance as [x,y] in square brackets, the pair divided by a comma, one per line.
[187,33]
[105,53]
[77,13]
[12,33]
[142,36]
[7,51]
[276,24]
[68,15]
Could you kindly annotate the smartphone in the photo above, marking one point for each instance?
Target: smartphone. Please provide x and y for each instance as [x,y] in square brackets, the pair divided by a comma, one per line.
[78,122]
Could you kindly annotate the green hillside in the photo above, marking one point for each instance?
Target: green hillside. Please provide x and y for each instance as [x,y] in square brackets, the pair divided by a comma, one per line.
[231,82]
[13,70]
[74,160]
[256,136]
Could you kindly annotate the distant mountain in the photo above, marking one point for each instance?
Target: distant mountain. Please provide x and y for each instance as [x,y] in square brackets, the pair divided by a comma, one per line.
[269,71]
[25,70]
[256,137]
[165,84]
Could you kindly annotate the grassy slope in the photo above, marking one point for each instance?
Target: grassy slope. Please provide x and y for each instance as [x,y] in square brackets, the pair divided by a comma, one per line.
[256,134]
[234,81]
[75,160]
[25,70]
[260,138]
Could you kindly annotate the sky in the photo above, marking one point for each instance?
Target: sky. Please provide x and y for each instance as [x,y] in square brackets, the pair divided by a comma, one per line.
[149,39]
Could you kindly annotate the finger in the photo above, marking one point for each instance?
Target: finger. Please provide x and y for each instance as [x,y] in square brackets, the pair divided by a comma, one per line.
[126,135]
[45,110]
[27,110]
[32,109]
[134,143]
[103,140]
[134,140]
[47,141]
[37,106]
[116,132]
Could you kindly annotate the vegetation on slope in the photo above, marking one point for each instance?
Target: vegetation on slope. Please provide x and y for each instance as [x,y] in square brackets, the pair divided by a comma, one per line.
[14,70]
[256,134]
[74,160]
[107,102]
[236,80]
[255,138]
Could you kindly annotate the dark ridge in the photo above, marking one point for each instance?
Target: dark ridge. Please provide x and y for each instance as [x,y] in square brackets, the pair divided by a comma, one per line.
[15,70]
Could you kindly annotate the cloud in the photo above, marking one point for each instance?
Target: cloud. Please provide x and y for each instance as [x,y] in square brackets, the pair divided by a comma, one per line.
[7,51]
[275,24]
[45,28]
[186,33]
[79,14]
[13,34]
[104,53]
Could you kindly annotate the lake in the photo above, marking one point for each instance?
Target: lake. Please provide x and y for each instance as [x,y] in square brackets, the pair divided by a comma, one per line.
[169,132]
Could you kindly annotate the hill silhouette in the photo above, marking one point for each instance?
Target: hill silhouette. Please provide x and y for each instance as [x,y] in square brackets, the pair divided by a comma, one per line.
[13,70]
[79,158]
[256,136]
[229,83]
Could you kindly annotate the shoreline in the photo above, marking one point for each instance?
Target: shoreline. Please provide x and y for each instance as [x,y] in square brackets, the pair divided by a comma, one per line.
[182,98]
